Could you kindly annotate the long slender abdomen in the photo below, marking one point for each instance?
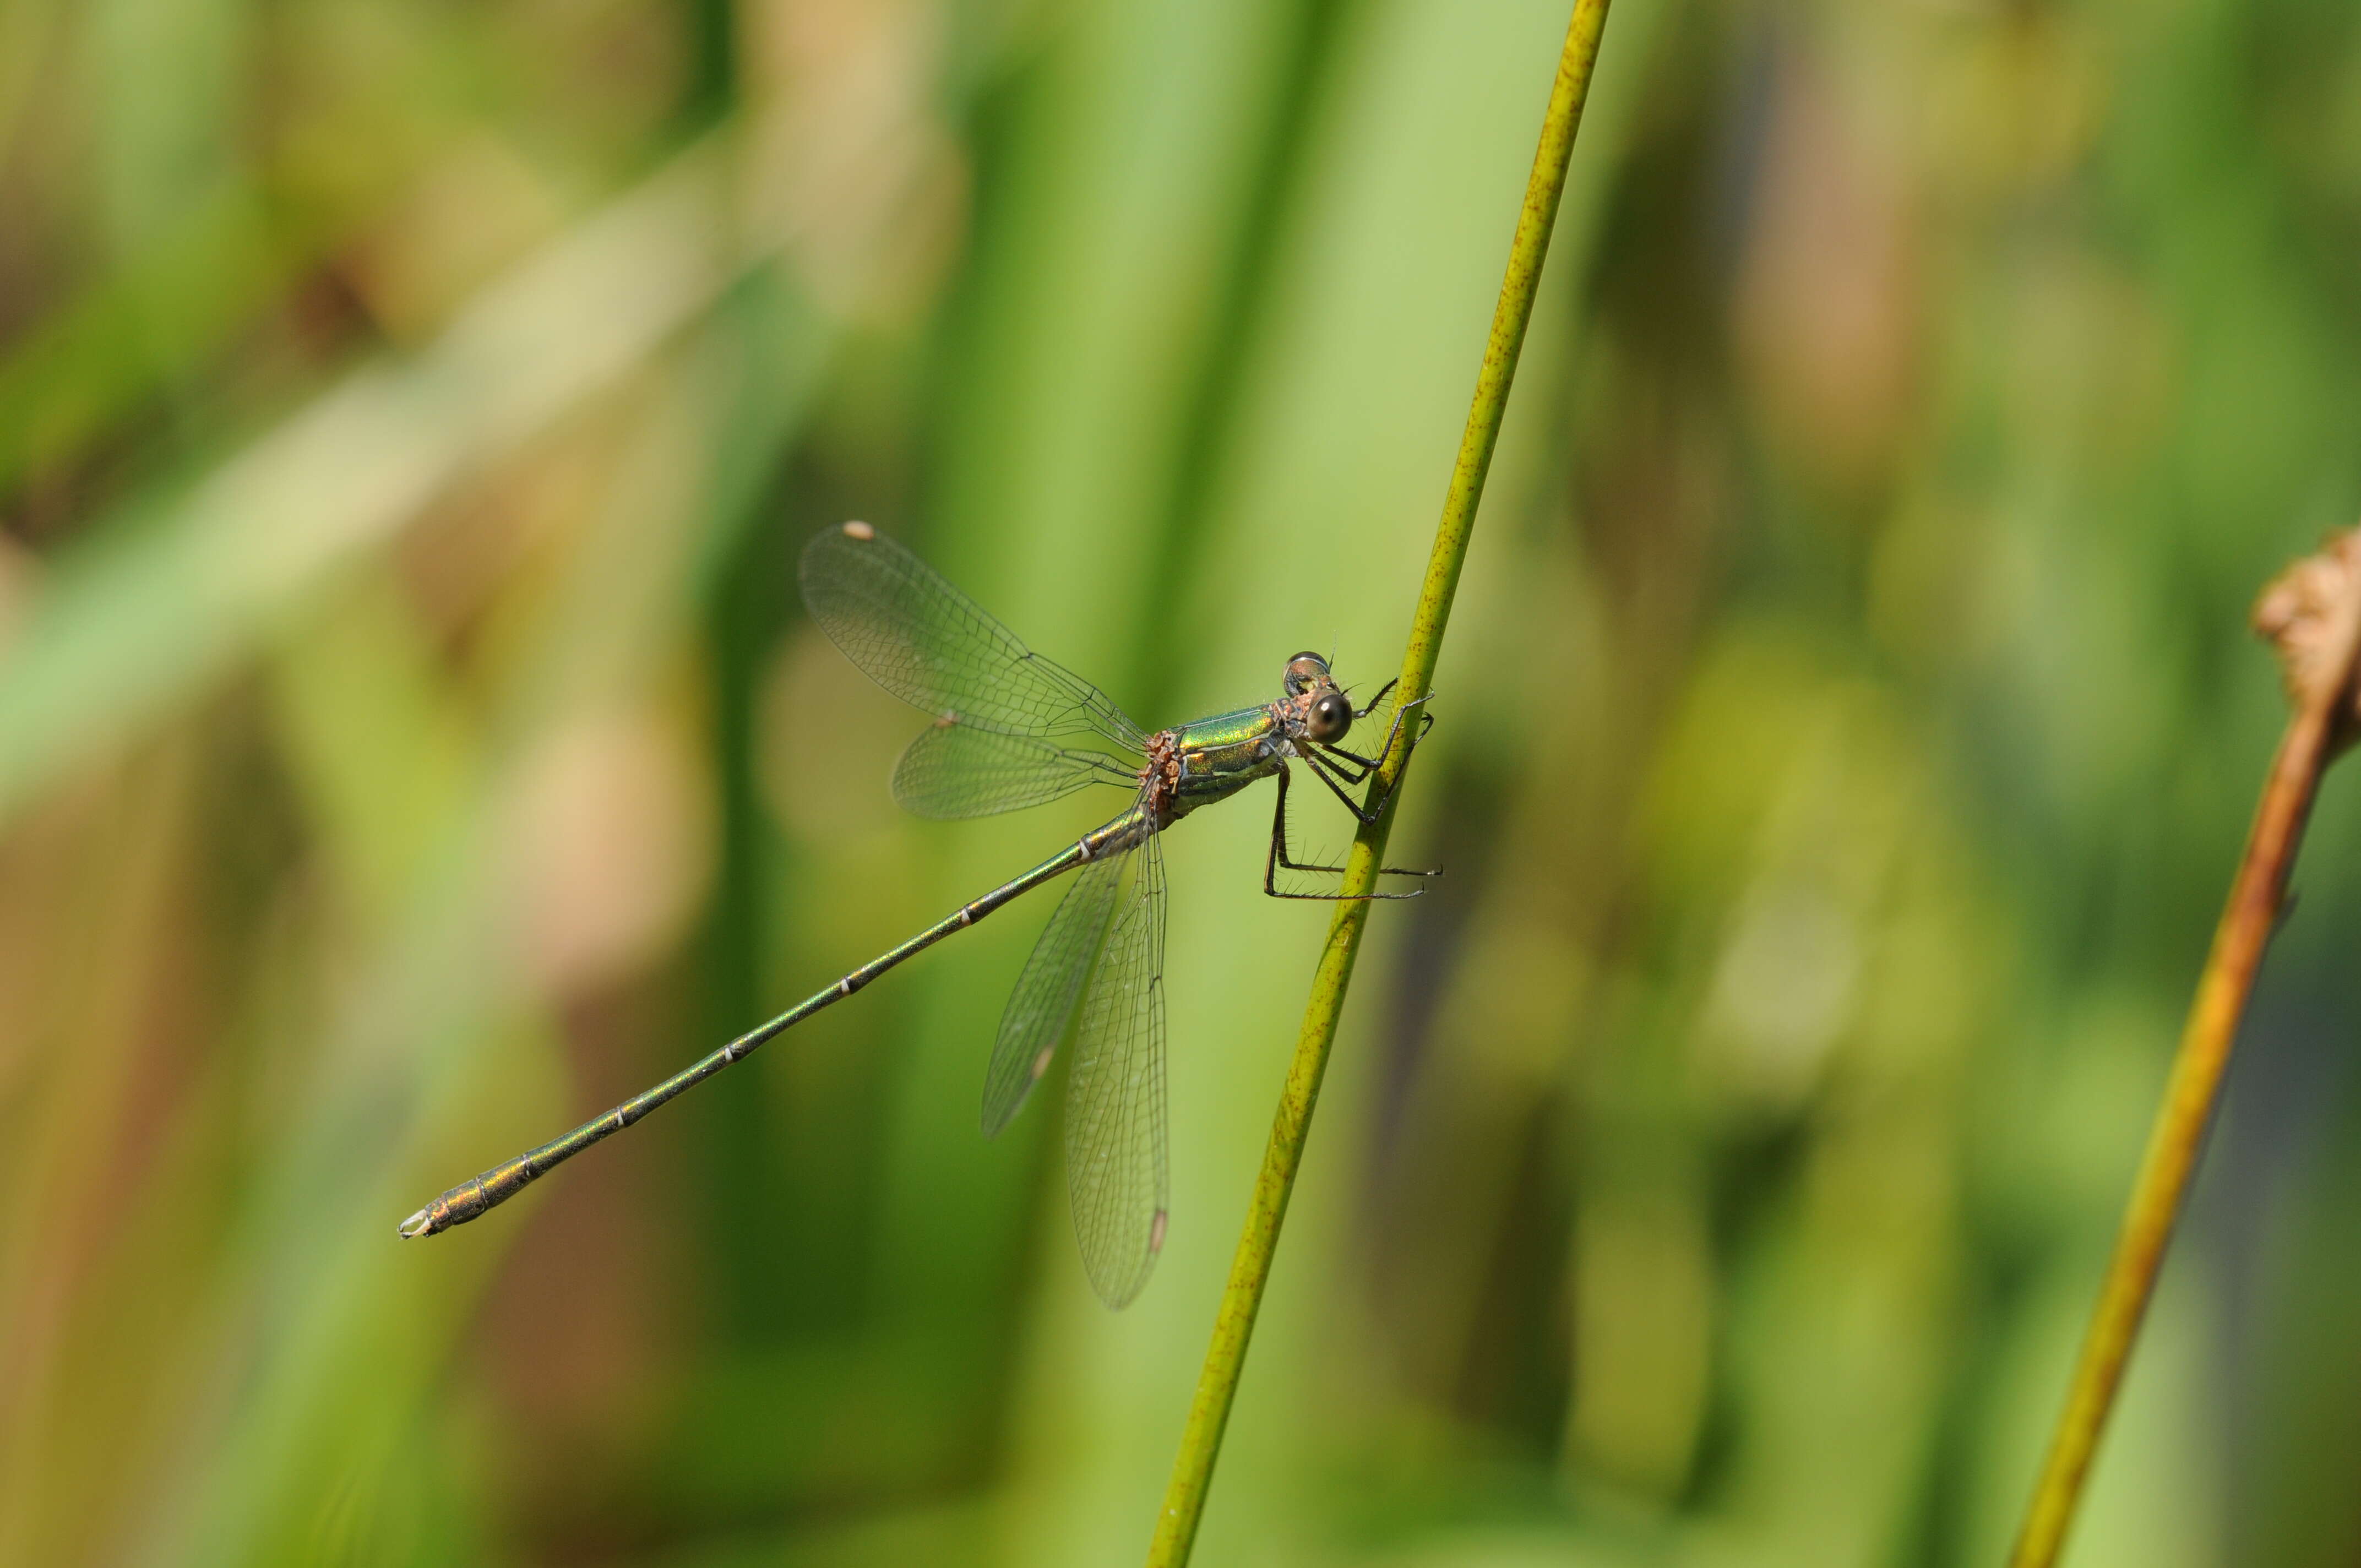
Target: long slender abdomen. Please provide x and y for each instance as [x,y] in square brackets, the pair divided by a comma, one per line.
[482,1193]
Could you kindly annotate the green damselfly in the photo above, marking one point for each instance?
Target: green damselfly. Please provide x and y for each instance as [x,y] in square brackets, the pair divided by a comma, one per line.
[1003,715]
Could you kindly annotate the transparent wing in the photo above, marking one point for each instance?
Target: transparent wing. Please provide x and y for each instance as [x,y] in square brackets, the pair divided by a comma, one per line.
[1115,1101]
[957,770]
[1043,1003]
[929,644]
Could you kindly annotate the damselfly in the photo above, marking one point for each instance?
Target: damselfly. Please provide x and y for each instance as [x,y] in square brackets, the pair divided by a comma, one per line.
[1001,716]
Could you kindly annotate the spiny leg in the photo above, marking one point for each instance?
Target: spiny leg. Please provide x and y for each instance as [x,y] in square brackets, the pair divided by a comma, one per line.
[1365,766]
[1321,770]
[1278,857]
[1330,774]
[1360,769]
[1279,842]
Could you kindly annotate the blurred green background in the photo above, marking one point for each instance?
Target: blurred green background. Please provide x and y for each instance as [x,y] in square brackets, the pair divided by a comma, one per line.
[410,742]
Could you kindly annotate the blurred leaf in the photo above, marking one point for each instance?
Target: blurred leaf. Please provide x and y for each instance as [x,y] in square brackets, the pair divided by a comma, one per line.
[131,620]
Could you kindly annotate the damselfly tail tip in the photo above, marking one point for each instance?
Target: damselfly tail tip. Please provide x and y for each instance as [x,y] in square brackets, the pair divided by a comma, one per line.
[417,1225]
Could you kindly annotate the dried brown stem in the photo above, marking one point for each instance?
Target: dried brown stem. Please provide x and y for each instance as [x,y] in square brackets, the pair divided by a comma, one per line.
[2312,616]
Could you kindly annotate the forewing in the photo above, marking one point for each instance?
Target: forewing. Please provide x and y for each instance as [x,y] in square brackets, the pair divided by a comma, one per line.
[956,770]
[929,644]
[1115,1101]
[1043,1003]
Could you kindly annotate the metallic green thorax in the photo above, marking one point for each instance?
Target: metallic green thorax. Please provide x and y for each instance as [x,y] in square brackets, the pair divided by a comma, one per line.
[1220,755]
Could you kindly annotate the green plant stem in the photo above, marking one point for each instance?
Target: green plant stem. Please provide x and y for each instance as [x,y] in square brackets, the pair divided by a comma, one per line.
[1209,1412]
[2257,895]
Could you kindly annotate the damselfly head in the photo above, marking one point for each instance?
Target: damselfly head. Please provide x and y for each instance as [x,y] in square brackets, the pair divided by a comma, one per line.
[1305,671]
[1327,712]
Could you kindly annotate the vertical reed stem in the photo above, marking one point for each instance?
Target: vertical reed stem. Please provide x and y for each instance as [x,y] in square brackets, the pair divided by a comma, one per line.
[1201,1440]
[2178,1137]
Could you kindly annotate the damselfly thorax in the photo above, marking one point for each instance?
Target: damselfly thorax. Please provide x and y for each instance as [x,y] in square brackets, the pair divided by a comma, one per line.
[1215,758]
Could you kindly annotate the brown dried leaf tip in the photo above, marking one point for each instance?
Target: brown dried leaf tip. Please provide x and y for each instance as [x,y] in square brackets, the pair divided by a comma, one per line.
[2310,614]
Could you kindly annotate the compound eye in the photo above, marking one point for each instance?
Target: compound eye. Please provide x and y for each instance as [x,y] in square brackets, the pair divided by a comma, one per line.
[1332,715]
[1304,672]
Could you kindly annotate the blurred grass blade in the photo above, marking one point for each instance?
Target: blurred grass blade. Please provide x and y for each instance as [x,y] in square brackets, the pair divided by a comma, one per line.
[446,1028]
[160,602]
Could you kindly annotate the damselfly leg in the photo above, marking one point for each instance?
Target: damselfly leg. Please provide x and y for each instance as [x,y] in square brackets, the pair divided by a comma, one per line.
[1278,860]
[1330,774]
[1362,767]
